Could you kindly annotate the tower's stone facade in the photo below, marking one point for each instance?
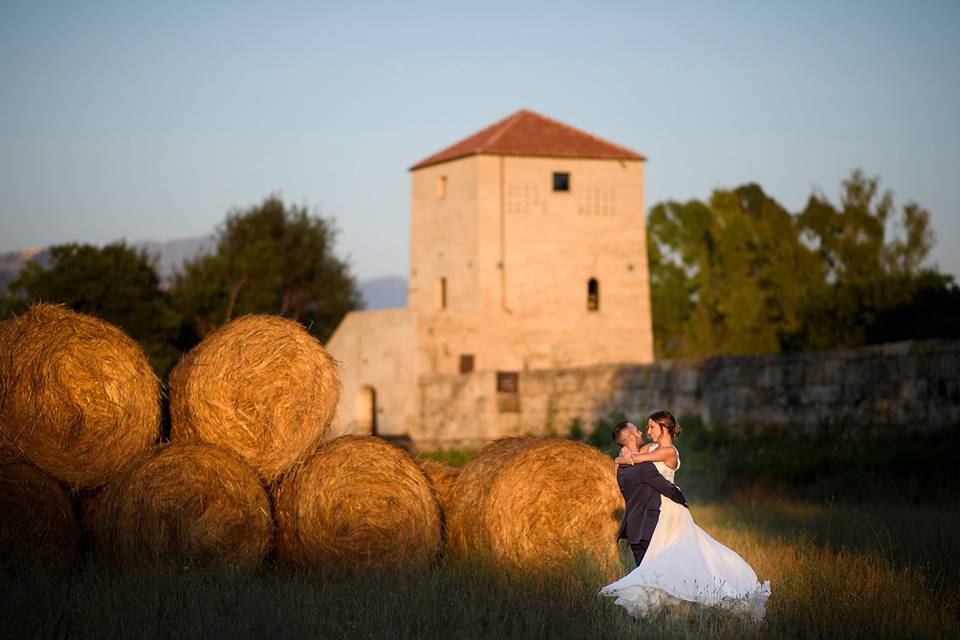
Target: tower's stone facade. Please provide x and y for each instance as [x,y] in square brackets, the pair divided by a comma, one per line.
[528,251]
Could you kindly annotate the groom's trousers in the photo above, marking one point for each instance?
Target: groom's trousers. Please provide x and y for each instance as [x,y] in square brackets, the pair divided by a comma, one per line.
[639,550]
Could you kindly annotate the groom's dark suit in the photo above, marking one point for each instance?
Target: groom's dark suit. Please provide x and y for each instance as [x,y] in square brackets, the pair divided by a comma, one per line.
[641,485]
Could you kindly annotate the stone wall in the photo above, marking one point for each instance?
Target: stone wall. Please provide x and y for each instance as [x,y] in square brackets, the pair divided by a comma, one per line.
[906,384]
[375,349]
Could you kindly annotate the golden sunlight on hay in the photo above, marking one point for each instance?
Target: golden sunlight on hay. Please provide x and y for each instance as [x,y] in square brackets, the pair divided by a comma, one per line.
[357,503]
[78,397]
[531,503]
[467,505]
[185,504]
[443,478]
[6,327]
[37,525]
[552,502]
[260,386]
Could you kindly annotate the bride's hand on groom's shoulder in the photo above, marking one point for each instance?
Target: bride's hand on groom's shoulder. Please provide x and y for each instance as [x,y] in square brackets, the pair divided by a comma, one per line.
[623,460]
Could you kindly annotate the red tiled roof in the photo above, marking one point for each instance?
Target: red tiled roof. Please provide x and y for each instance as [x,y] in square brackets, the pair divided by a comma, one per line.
[526,133]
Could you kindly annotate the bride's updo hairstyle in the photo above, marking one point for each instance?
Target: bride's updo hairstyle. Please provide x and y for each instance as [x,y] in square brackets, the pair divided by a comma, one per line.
[667,422]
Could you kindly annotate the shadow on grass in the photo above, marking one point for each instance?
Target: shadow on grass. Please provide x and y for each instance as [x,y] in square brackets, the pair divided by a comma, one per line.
[817,593]
[451,600]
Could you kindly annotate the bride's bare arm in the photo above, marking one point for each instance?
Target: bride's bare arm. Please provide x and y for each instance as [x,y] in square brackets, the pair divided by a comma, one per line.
[630,457]
[661,454]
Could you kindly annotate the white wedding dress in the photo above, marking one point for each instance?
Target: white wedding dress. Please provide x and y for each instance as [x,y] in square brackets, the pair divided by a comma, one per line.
[683,563]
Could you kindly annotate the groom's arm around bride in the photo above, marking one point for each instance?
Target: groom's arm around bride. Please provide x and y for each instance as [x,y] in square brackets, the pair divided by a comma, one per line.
[647,472]
[642,485]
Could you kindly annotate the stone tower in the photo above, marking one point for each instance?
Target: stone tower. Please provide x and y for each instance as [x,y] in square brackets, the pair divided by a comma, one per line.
[527,251]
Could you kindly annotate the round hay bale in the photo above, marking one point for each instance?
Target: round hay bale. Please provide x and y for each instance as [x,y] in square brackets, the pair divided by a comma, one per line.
[6,331]
[38,529]
[552,503]
[443,478]
[260,386]
[78,397]
[465,514]
[190,504]
[7,328]
[357,503]
[88,503]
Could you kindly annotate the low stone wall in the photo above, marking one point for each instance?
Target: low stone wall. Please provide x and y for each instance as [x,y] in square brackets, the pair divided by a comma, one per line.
[906,384]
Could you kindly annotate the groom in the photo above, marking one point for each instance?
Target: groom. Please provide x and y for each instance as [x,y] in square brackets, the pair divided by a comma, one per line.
[641,485]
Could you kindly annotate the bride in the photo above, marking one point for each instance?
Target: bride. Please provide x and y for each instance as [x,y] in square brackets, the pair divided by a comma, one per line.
[682,563]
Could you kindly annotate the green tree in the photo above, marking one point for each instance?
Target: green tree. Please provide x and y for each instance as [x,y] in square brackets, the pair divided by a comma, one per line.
[117,283]
[728,276]
[741,275]
[878,288]
[678,247]
[864,239]
[269,258]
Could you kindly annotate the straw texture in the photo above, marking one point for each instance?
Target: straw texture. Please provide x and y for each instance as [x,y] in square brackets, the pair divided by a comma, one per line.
[38,529]
[553,503]
[468,504]
[260,386]
[537,503]
[358,503]
[189,504]
[443,479]
[78,397]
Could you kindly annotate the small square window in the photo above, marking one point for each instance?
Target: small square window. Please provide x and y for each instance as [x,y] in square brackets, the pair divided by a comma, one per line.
[561,181]
[507,382]
[466,363]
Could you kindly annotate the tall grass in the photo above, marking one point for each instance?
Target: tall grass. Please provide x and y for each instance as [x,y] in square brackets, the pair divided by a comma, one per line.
[850,551]
[854,572]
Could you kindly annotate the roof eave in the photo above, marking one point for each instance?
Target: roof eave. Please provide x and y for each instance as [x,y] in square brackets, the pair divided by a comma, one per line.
[423,164]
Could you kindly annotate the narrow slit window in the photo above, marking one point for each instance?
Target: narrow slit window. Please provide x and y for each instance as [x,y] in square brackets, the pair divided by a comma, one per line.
[561,181]
[441,187]
[441,293]
[593,295]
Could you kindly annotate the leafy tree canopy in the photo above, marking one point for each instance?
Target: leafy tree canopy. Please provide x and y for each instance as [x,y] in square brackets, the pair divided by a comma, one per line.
[270,258]
[117,283]
[741,275]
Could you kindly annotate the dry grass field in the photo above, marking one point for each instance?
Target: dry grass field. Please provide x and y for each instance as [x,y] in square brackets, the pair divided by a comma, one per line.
[852,571]
[859,537]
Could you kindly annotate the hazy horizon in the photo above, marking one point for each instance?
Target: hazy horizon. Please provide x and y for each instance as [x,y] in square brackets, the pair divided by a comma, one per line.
[149,124]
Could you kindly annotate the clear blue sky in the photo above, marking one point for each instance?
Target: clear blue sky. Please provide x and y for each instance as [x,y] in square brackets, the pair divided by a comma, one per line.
[119,120]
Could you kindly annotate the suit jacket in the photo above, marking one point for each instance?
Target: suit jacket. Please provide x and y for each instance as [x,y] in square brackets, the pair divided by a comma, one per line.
[641,485]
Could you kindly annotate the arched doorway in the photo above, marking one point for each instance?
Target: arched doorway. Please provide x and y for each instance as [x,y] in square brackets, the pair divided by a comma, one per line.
[367,410]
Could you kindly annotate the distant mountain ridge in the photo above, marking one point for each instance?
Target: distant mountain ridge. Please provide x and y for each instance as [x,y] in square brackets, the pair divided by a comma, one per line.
[12,262]
[386,292]
[172,253]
